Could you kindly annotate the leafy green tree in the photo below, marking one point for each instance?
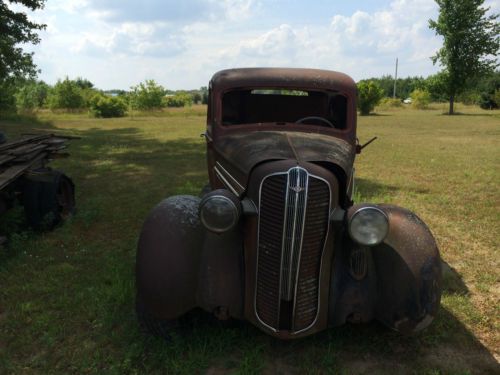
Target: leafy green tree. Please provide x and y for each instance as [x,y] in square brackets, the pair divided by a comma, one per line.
[369,95]
[147,95]
[84,83]
[16,29]
[471,43]
[204,95]
[66,94]
[107,106]
[32,95]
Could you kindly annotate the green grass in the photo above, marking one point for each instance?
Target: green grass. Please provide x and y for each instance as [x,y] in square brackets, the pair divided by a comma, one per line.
[67,297]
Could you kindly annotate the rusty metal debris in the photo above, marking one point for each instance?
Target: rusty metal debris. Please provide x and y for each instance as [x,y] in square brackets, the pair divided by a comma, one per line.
[25,177]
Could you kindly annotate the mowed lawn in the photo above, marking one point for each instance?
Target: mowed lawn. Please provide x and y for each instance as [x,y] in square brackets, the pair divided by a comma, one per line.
[67,297]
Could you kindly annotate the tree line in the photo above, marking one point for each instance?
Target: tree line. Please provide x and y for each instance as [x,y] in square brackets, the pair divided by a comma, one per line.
[483,91]
[81,95]
[468,61]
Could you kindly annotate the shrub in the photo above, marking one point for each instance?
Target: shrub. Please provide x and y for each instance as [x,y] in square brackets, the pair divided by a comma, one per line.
[178,100]
[420,99]
[66,95]
[391,103]
[107,106]
[148,95]
[489,92]
[369,95]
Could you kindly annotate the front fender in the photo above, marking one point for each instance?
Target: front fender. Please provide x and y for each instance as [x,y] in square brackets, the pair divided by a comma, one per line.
[168,257]
[408,273]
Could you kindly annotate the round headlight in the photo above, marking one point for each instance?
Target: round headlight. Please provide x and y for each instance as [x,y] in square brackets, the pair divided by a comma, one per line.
[369,226]
[219,211]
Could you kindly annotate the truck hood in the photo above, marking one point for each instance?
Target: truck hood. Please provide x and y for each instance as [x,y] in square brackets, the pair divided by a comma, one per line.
[240,152]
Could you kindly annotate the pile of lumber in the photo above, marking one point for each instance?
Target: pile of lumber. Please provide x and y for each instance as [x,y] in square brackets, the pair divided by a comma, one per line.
[29,152]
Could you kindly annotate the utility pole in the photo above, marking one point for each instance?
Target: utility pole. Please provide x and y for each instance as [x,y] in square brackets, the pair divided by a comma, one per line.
[395,80]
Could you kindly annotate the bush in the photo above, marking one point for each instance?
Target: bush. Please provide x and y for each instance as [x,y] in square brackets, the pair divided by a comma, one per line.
[148,95]
[66,95]
[369,95]
[489,89]
[107,106]
[178,100]
[391,103]
[420,99]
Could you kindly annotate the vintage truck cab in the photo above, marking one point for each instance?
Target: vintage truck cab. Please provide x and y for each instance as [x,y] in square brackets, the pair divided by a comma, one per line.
[276,239]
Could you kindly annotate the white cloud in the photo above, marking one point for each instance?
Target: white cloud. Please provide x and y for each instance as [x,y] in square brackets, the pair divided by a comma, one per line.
[181,44]
[132,39]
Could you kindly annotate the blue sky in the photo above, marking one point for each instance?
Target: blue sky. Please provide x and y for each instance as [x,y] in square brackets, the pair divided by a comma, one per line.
[180,44]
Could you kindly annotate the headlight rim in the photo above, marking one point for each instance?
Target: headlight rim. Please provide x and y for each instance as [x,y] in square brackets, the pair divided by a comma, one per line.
[227,196]
[358,211]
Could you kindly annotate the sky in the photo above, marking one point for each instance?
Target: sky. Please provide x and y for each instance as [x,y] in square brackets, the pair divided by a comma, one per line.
[180,44]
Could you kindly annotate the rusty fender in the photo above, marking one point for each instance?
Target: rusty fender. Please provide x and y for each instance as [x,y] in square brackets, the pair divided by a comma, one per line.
[408,273]
[181,266]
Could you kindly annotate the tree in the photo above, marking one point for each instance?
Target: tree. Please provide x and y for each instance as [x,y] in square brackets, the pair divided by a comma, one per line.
[66,94]
[369,95]
[471,43]
[31,95]
[15,29]
[148,95]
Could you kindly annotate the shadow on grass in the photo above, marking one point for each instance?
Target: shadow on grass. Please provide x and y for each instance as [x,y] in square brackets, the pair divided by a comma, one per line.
[453,282]
[447,346]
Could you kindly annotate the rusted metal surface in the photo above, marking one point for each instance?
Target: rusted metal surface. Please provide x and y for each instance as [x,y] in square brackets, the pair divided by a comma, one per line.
[24,176]
[290,266]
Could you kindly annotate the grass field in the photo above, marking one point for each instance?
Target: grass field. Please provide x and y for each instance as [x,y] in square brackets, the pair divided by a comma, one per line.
[67,297]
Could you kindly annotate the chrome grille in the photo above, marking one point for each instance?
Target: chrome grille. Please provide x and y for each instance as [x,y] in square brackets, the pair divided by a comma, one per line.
[293,224]
[294,229]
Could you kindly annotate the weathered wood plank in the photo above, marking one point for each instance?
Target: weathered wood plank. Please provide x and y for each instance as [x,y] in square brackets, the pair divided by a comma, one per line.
[22,141]
[26,149]
[11,173]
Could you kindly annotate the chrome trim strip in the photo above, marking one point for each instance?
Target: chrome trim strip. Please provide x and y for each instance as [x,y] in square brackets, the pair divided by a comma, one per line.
[306,196]
[235,184]
[288,248]
[225,182]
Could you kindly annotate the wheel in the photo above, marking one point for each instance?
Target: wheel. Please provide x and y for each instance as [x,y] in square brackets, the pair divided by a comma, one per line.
[48,198]
[157,327]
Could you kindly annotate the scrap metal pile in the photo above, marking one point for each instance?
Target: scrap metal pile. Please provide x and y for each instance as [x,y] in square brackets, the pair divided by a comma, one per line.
[25,177]
[29,152]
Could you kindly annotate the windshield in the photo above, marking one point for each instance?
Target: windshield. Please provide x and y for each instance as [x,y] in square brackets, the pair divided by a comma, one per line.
[270,105]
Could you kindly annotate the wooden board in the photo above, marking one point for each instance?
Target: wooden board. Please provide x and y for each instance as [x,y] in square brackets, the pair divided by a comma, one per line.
[29,152]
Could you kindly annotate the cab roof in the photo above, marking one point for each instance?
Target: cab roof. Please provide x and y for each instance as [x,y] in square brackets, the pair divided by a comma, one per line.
[283,77]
